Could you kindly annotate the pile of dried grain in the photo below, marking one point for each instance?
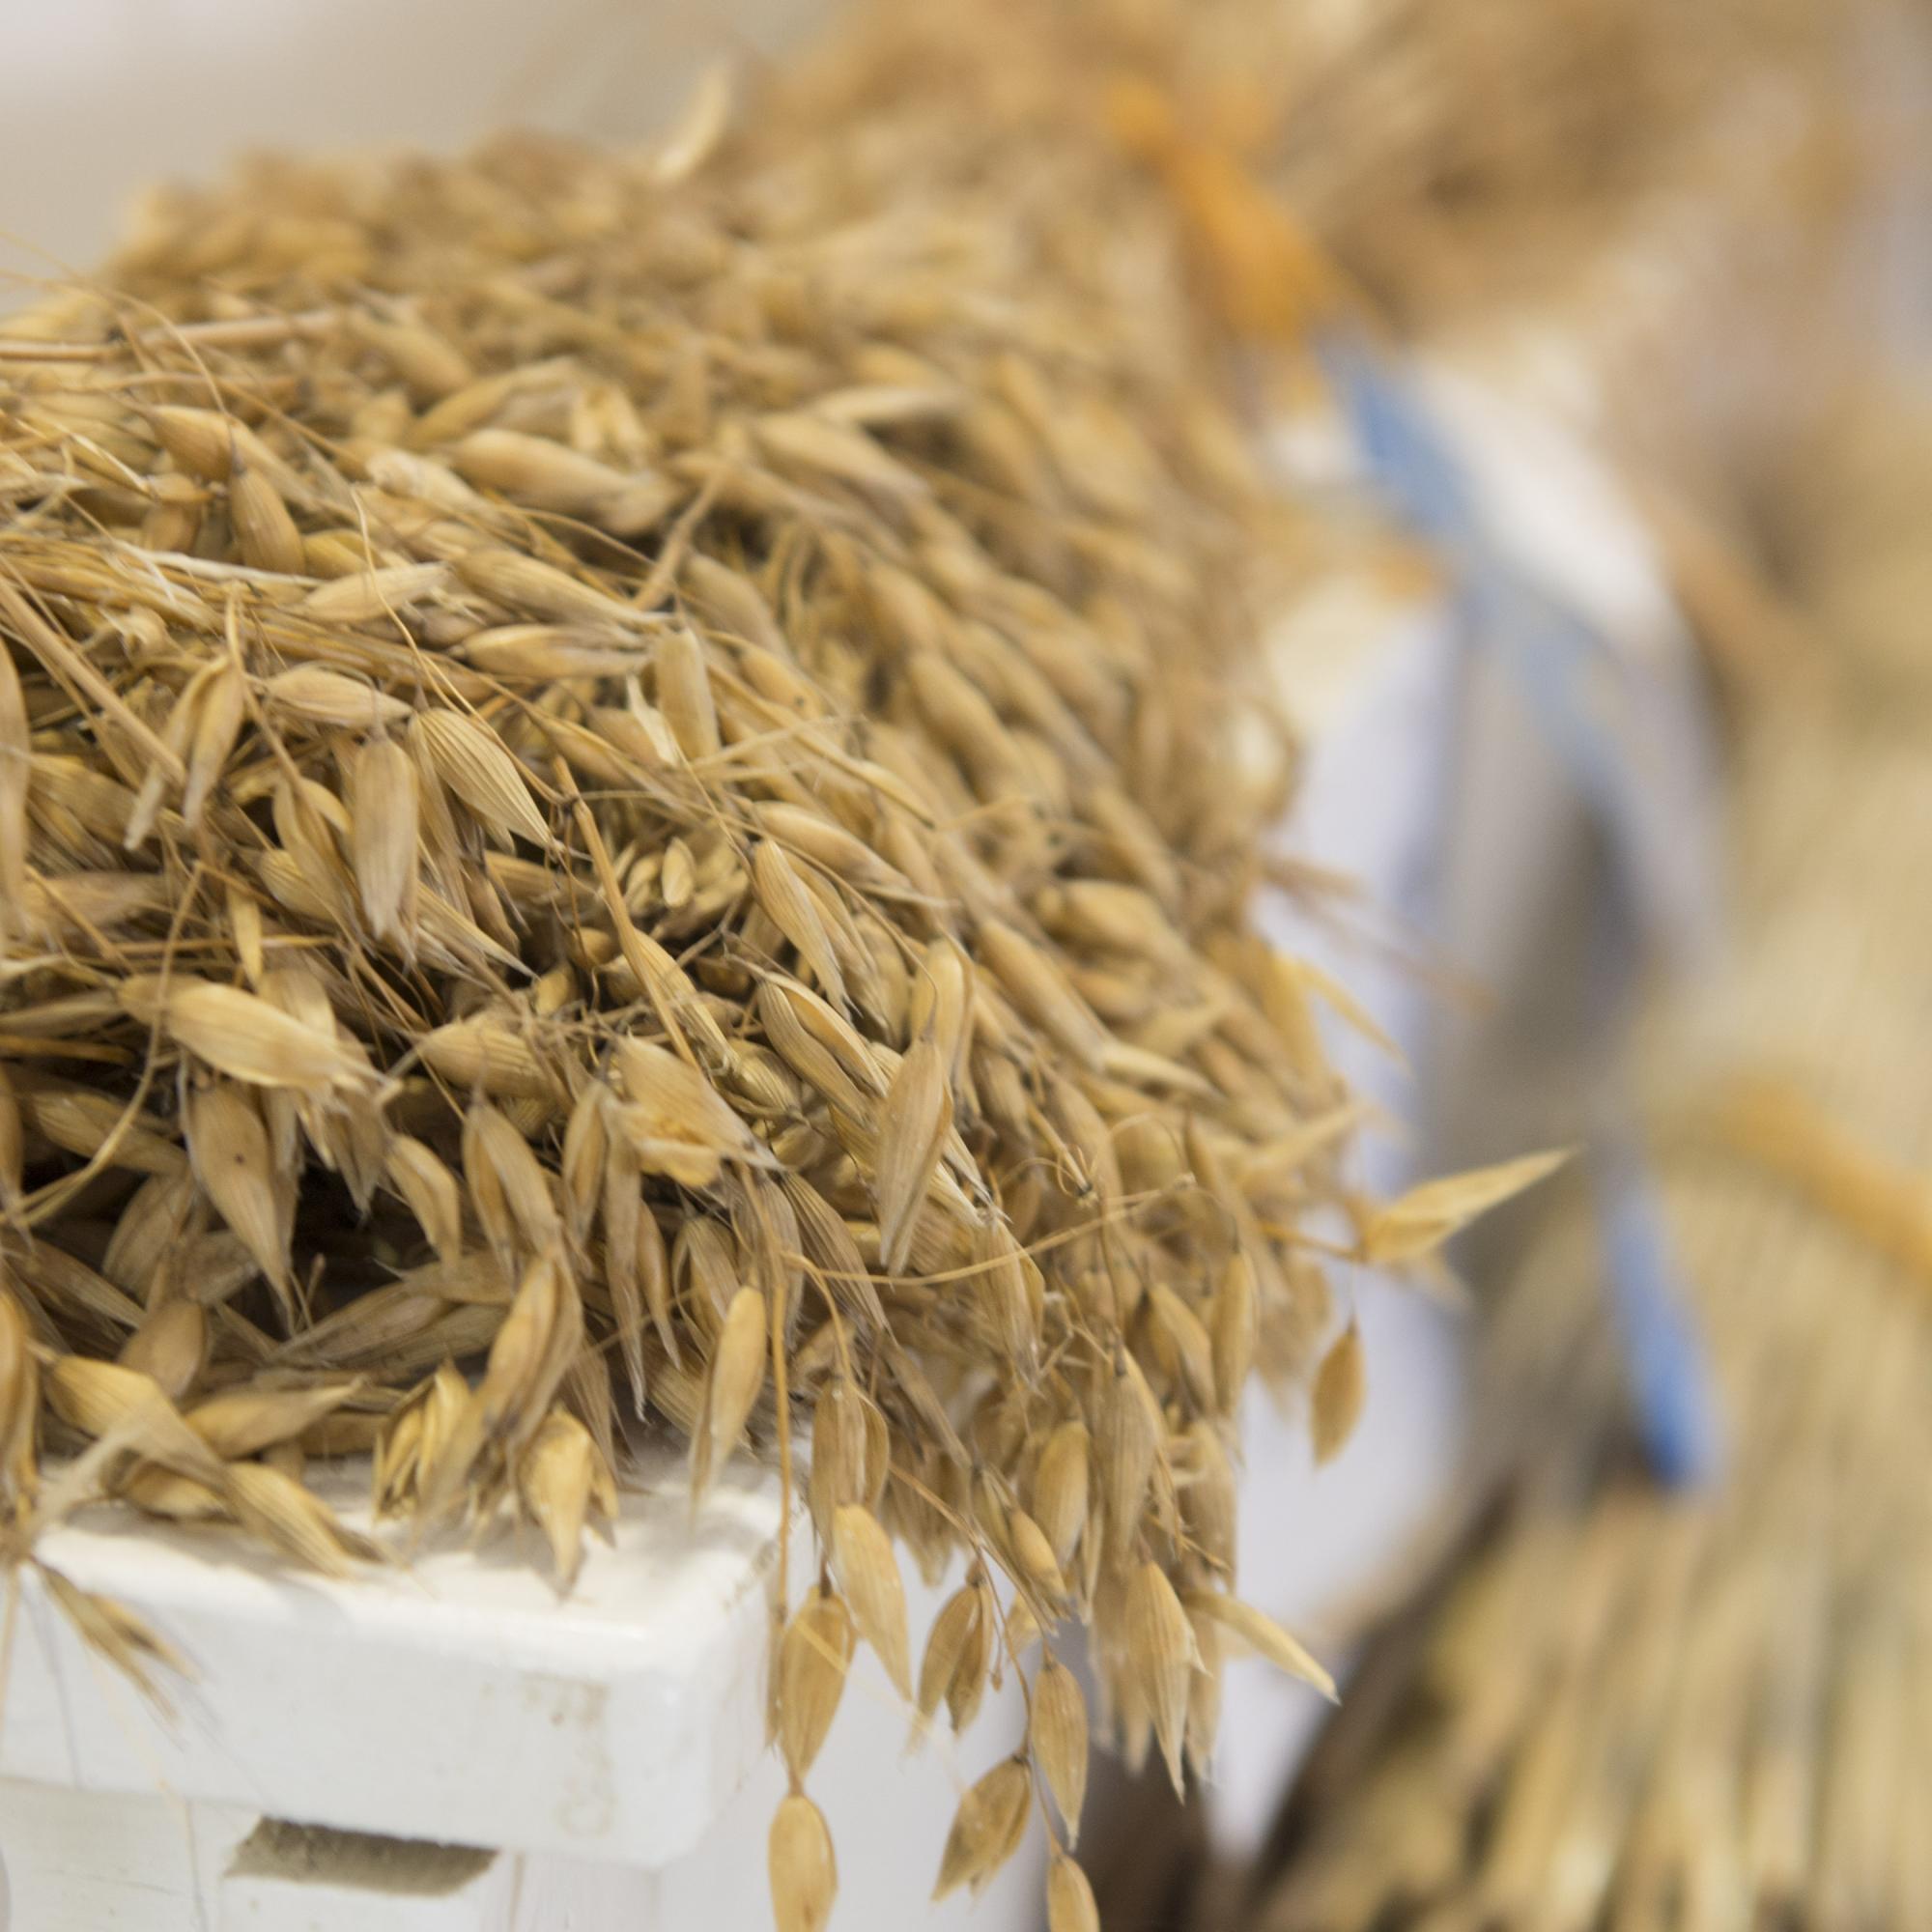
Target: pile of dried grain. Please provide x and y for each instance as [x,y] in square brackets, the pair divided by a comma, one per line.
[636,768]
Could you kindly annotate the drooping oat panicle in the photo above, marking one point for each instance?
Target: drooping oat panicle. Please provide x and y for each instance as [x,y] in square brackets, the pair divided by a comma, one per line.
[564,810]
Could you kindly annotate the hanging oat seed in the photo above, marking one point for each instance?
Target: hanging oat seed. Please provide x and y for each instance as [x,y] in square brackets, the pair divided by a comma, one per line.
[866,1568]
[1056,1736]
[813,1657]
[986,1829]
[804,1875]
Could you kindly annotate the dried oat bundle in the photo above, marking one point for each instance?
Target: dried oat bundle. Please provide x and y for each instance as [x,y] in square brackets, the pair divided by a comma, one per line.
[1461,161]
[625,785]
[1629,1710]
[1465,160]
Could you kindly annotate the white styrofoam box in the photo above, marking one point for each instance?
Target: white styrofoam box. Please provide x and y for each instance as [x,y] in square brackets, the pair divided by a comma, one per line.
[608,1748]
[457,1701]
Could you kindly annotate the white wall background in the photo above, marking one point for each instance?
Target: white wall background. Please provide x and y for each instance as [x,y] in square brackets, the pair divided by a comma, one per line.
[99,98]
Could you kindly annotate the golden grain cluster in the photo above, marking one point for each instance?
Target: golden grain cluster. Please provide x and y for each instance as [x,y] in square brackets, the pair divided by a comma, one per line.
[628,789]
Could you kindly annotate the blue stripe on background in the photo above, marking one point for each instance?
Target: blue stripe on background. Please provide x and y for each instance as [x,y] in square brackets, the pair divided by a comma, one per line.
[1577,690]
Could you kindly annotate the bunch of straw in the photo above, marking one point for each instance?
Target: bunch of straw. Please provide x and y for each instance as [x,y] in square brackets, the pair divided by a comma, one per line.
[1624,1710]
[637,761]
[1466,157]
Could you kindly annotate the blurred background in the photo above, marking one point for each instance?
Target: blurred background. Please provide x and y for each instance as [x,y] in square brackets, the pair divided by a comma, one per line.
[1631,1552]
[106,97]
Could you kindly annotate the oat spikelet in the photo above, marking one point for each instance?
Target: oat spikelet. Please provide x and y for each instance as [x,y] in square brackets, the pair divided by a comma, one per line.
[13,1147]
[1162,1654]
[16,766]
[1070,1898]
[1235,1328]
[282,1513]
[1060,1490]
[849,1452]
[1057,1737]
[913,1129]
[957,1651]
[245,1422]
[433,1193]
[481,772]
[804,1874]
[311,695]
[684,693]
[170,1346]
[121,1635]
[791,908]
[737,1375]
[813,1657]
[1425,1216]
[1341,1388]
[1260,1634]
[251,1041]
[862,1554]
[106,1399]
[1126,1445]
[986,1829]
[229,1147]
[383,811]
[263,526]
[556,1479]
[20,1404]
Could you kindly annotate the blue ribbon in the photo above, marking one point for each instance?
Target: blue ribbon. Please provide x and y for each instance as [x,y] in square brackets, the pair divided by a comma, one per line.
[1581,694]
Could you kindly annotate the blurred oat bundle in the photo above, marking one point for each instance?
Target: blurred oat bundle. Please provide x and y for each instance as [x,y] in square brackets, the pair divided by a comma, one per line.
[643,764]
[1474,159]
[1633,1710]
